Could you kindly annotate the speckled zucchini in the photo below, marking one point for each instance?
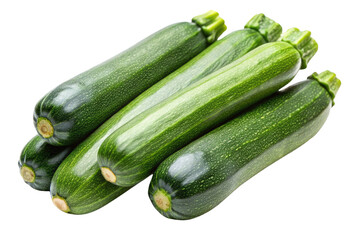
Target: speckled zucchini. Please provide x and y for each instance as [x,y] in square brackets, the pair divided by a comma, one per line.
[39,161]
[132,152]
[70,112]
[69,186]
[197,178]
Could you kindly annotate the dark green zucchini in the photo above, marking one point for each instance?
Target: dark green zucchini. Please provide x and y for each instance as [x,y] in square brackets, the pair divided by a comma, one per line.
[132,152]
[39,161]
[69,186]
[70,112]
[197,178]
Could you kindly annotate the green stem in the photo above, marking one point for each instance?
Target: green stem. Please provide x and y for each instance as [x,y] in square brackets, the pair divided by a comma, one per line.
[211,24]
[303,42]
[205,18]
[329,81]
[267,27]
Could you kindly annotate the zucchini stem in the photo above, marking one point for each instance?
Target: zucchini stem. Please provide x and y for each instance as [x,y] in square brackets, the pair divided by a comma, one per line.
[27,174]
[60,203]
[44,127]
[268,28]
[329,81]
[108,174]
[211,24]
[303,42]
[205,18]
[162,200]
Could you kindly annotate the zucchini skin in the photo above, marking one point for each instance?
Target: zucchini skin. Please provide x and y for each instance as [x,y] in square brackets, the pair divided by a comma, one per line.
[134,151]
[201,175]
[77,107]
[77,186]
[219,54]
[43,159]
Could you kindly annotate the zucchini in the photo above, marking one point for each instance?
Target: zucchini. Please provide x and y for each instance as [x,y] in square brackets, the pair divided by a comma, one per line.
[68,185]
[39,161]
[70,112]
[132,152]
[197,178]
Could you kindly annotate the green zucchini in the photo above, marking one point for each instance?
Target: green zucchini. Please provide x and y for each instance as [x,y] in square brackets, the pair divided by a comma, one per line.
[132,152]
[70,185]
[70,112]
[39,161]
[198,177]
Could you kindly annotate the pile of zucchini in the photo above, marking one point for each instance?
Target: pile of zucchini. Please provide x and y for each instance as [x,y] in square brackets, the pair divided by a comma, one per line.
[200,114]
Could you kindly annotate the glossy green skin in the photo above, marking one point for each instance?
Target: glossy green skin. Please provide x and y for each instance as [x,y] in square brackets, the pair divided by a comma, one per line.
[134,151]
[77,107]
[205,172]
[79,175]
[43,159]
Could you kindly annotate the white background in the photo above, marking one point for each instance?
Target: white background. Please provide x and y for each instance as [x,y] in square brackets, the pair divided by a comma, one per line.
[313,193]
